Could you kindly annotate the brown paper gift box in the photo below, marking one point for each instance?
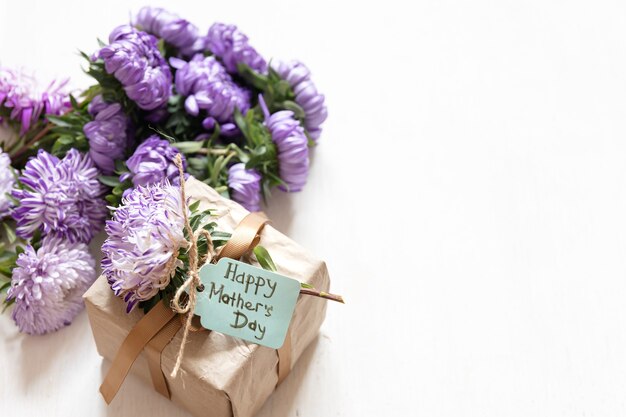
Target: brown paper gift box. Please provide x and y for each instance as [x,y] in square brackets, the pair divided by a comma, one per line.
[220,375]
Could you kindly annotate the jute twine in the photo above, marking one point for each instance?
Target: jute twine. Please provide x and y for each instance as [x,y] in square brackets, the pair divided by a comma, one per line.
[184,301]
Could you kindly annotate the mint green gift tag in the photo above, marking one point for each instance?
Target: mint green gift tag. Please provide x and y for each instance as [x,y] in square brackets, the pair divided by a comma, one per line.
[247,302]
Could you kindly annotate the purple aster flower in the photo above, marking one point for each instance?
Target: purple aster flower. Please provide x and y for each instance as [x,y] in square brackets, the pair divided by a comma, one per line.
[208,87]
[7,180]
[230,45]
[152,163]
[108,133]
[134,59]
[61,197]
[48,285]
[169,26]
[292,145]
[145,236]
[27,101]
[307,96]
[245,186]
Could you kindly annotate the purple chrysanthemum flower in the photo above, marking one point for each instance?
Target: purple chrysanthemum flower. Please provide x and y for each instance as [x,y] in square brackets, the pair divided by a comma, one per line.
[27,101]
[145,236]
[230,45]
[208,87]
[307,96]
[48,285]
[7,179]
[245,186]
[134,59]
[152,163]
[108,133]
[292,145]
[176,31]
[61,197]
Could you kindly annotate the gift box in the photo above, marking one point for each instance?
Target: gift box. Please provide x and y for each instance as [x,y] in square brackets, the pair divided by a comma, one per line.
[220,375]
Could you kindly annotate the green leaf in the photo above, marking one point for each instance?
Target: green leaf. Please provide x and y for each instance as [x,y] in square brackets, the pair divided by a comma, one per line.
[188,147]
[57,120]
[195,221]
[111,181]
[120,166]
[241,123]
[259,81]
[282,88]
[84,55]
[118,191]
[7,304]
[294,107]
[8,259]
[35,241]
[223,235]
[74,102]
[161,46]
[209,227]
[10,233]
[217,168]
[305,285]
[112,200]
[65,140]
[264,258]
[194,206]
[274,180]
[197,163]
[216,134]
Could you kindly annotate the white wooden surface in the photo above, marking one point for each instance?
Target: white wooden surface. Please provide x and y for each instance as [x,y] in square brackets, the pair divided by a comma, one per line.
[468,194]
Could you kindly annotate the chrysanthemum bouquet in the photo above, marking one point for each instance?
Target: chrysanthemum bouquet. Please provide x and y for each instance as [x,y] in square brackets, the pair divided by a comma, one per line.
[242,124]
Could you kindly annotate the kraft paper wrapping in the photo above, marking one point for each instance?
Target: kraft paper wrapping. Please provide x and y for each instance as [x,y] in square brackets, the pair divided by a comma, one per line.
[220,375]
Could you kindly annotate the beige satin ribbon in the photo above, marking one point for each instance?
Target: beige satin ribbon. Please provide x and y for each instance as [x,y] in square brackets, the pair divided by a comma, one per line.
[284,358]
[157,328]
[153,350]
[131,347]
[245,237]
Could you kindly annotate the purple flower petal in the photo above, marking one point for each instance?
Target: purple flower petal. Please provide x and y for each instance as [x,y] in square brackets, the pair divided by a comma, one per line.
[307,96]
[245,186]
[230,45]
[134,59]
[144,239]
[64,197]
[153,162]
[108,134]
[174,30]
[208,87]
[48,284]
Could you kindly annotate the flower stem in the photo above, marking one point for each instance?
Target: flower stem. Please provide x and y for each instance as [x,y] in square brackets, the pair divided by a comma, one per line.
[43,132]
[322,294]
[214,151]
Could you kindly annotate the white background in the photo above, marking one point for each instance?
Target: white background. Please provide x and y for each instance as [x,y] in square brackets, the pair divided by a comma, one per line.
[468,195]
